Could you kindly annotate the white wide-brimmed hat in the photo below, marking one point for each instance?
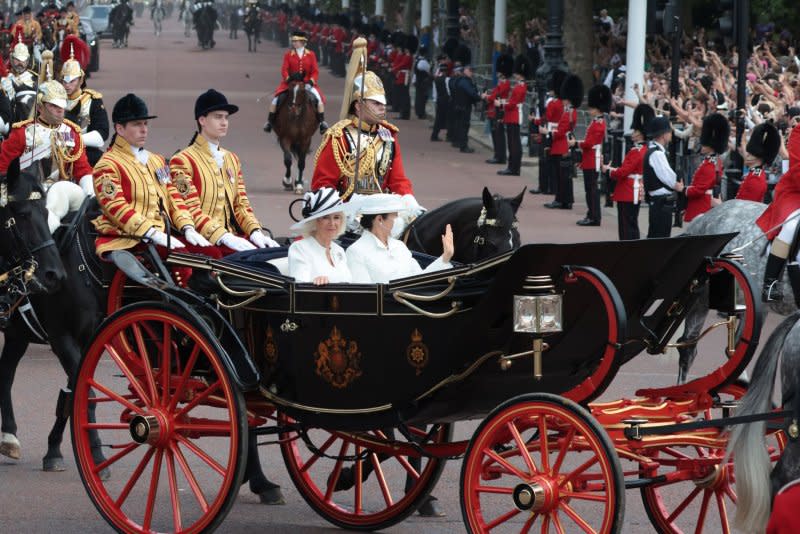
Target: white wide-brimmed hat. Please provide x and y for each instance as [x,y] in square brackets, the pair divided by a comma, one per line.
[319,203]
[378,204]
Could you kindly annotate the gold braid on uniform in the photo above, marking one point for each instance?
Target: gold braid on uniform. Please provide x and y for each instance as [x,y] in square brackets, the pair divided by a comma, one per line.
[61,152]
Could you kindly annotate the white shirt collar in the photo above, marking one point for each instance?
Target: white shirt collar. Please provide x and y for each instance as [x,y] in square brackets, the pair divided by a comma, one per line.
[140,154]
[217,152]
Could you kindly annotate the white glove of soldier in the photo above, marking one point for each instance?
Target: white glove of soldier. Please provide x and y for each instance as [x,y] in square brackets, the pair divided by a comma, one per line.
[87,184]
[194,238]
[261,240]
[160,238]
[234,242]
[92,139]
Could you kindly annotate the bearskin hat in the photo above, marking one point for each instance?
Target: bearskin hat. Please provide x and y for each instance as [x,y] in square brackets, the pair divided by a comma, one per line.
[463,55]
[642,116]
[599,97]
[522,66]
[572,90]
[450,47]
[556,79]
[716,132]
[412,43]
[505,65]
[765,142]
[386,37]
[399,39]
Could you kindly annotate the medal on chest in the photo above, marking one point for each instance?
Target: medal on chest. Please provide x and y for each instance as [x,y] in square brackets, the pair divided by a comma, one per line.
[162,173]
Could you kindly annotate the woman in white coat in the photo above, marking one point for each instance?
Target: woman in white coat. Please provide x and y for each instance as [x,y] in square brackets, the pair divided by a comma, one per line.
[317,258]
[377,257]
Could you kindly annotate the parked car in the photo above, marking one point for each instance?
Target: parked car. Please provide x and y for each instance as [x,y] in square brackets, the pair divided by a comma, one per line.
[89,36]
[98,17]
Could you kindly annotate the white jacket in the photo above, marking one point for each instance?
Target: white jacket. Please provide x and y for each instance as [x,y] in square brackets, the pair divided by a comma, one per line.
[371,261]
[307,260]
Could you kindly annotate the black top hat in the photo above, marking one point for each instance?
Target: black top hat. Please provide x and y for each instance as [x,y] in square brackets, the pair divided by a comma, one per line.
[522,66]
[556,79]
[765,142]
[642,115]
[130,108]
[210,101]
[572,90]
[716,132]
[658,126]
[599,97]
[505,65]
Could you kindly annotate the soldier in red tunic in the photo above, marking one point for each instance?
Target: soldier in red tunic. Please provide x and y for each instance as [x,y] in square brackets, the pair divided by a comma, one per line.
[494,107]
[554,108]
[599,100]
[299,63]
[714,139]
[571,94]
[762,148]
[401,69]
[512,115]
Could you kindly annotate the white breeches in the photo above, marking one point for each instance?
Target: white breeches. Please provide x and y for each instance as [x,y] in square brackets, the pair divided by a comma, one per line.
[311,89]
[788,229]
[62,197]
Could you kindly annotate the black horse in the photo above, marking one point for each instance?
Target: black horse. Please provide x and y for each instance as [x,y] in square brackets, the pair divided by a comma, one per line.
[205,22]
[482,227]
[120,19]
[252,27]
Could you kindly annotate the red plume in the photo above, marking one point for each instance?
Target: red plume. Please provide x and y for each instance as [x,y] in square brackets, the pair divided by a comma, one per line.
[81,50]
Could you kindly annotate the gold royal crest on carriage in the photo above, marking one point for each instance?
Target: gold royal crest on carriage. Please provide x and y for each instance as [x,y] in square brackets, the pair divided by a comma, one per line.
[338,361]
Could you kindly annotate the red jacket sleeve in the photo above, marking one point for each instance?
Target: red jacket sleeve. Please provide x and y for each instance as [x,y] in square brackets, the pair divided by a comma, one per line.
[12,148]
[396,179]
[326,172]
[516,98]
[285,66]
[704,179]
[754,187]
[594,135]
[632,164]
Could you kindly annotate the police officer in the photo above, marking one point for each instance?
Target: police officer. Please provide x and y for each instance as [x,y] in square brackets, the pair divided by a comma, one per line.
[512,115]
[495,112]
[761,150]
[660,181]
[422,82]
[441,87]
[465,94]
[599,100]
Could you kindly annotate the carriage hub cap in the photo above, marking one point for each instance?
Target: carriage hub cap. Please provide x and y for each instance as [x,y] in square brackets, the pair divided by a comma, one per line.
[145,429]
[531,497]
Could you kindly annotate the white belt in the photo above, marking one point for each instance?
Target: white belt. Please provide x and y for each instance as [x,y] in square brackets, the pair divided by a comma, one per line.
[552,126]
[598,157]
[637,185]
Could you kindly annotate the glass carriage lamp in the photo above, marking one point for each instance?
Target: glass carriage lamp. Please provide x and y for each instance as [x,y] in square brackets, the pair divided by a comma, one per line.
[538,312]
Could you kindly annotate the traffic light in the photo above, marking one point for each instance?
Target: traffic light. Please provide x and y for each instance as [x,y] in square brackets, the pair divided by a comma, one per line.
[662,17]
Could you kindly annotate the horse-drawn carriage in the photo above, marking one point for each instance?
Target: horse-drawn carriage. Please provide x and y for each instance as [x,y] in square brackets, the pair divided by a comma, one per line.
[360,386]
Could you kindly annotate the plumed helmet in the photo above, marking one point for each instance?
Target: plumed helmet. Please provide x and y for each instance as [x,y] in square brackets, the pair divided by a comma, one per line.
[369,87]
[505,65]
[765,142]
[75,56]
[642,115]
[20,51]
[412,43]
[522,66]
[599,97]
[556,79]
[716,132]
[50,90]
[130,108]
[572,90]
[212,100]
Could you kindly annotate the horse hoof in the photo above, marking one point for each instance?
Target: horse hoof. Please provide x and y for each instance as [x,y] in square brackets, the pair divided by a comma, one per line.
[272,497]
[9,446]
[53,465]
[298,189]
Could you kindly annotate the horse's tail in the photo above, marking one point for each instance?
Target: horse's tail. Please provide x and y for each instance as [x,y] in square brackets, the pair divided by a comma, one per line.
[746,444]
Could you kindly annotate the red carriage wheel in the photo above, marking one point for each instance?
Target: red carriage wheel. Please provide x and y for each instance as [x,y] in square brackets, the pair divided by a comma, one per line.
[325,470]
[698,492]
[541,463]
[171,421]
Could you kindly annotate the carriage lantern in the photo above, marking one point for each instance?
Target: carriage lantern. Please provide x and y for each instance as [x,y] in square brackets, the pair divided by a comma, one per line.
[537,312]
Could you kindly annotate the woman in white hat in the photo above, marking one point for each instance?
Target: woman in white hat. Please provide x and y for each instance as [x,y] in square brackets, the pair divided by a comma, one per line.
[377,257]
[317,258]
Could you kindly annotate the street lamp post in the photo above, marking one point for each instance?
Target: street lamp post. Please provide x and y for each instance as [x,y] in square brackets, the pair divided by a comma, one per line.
[553,49]
[452,19]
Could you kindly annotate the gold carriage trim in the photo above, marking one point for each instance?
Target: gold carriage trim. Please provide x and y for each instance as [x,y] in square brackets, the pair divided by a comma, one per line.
[338,360]
[417,352]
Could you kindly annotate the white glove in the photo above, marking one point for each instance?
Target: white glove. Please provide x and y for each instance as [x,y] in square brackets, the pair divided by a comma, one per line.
[87,184]
[262,240]
[194,238]
[93,139]
[160,238]
[235,242]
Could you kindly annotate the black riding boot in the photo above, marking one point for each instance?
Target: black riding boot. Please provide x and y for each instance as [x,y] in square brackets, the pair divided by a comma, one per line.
[793,270]
[270,122]
[771,291]
[322,124]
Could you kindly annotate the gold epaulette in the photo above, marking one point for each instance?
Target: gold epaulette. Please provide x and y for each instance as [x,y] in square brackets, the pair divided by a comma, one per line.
[20,124]
[390,126]
[94,94]
[72,124]
[337,130]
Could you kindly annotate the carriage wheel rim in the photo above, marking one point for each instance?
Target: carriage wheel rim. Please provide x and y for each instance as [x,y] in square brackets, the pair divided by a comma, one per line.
[164,434]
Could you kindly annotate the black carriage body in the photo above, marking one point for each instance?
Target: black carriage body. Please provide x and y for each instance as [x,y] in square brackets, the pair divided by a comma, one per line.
[352,356]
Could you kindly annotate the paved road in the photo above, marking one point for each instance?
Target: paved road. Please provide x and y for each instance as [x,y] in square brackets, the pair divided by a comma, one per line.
[169,72]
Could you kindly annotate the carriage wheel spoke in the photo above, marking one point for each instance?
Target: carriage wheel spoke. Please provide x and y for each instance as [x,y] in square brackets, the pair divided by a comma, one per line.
[317,455]
[586,527]
[337,470]
[137,387]
[494,489]
[523,449]
[557,522]
[148,370]
[173,490]
[544,447]
[528,524]
[545,524]
[187,472]
[703,510]
[205,427]
[121,454]
[166,360]
[502,461]
[115,397]
[137,473]
[585,496]
[213,464]
[357,494]
[503,518]
[176,396]
[580,469]
[151,494]
[410,470]
[723,513]
[563,452]
[731,494]
[200,398]
[106,426]
[376,466]
[682,506]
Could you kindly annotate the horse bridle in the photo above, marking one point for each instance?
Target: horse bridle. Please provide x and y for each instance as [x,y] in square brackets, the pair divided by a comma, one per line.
[484,224]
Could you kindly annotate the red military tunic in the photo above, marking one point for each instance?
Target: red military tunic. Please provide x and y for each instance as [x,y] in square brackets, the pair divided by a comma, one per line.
[500,92]
[381,157]
[566,123]
[306,65]
[401,68]
[754,186]
[338,38]
[513,107]
[628,176]
[698,195]
[787,192]
[595,135]
[783,519]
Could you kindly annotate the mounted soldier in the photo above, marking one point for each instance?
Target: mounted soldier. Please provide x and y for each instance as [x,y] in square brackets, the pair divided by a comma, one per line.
[299,64]
[27,28]
[19,85]
[84,106]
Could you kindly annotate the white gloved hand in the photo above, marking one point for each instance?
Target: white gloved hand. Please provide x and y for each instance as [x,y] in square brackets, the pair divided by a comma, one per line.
[262,240]
[194,238]
[234,242]
[87,184]
[92,139]
[160,238]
